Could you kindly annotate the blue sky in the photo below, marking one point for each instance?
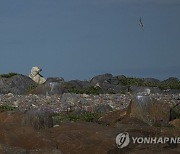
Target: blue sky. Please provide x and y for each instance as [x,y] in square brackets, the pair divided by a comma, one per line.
[77,39]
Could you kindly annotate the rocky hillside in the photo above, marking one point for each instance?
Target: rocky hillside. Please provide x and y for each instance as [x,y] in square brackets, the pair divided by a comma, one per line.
[101,84]
[60,117]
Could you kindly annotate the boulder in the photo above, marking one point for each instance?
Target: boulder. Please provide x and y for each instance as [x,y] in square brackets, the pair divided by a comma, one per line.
[50,87]
[108,83]
[175,123]
[101,78]
[140,89]
[113,117]
[54,79]
[82,137]
[20,136]
[38,119]
[11,150]
[151,111]
[171,80]
[131,121]
[17,84]
[79,137]
[78,84]
[175,112]
[11,117]
[102,108]
[120,77]
[104,78]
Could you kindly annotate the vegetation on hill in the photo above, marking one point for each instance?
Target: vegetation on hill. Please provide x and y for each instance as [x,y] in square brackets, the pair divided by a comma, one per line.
[89,90]
[81,116]
[31,87]
[172,84]
[8,75]
[7,108]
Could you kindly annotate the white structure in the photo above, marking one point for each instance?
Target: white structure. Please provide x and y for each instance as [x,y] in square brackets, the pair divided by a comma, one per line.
[36,76]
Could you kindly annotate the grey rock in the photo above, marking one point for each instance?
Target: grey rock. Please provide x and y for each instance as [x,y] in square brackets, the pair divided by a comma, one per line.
[175,112]
[17,84]
[171,91]
[50,87]
[6,149]
[103,108]
[120,77]
[78,84]
[138,89]
[104,79]
[38,119]
[171,79]
[45,151]
[52,79]
[151,111]
[101,78]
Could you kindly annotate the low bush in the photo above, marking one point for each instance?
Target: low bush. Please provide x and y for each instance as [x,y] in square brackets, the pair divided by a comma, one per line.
[8,75]
[7,108]
[82,116]
[140,82]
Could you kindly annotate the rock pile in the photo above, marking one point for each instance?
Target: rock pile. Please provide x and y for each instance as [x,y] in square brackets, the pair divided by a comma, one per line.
[140,111]
[62,103]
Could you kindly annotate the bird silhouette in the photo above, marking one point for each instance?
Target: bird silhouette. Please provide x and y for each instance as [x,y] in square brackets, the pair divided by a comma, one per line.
[141,24]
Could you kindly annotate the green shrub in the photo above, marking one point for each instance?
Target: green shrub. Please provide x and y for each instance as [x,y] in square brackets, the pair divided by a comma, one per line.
[89,90]
[140,82]
[31,87]
[82,116]
[92,90]
[7,108]
[8,75]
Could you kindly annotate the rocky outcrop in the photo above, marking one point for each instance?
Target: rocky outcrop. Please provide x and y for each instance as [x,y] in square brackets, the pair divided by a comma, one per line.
[171,79]
[38,119]
[17,84]
[100,84]
[49,119]
[50,87]
[108,83]
[61,103]
[151,80]
[78,137]
[112,117]
[175,123]
[151,111]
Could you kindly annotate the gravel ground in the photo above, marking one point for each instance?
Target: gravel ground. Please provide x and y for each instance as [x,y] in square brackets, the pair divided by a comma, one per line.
[83,102]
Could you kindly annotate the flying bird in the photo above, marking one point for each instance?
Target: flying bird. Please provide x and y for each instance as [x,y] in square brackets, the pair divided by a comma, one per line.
[141,24]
